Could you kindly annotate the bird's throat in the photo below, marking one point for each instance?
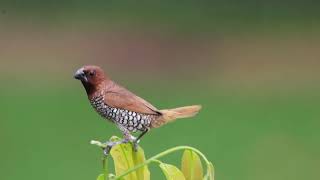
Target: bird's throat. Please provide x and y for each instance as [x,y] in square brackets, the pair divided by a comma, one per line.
[90,89]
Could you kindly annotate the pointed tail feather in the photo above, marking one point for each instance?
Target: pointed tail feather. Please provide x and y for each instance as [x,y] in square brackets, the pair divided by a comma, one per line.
[169,115]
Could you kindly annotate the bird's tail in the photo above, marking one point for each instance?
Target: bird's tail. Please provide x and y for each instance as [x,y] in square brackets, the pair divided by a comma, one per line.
[169,115]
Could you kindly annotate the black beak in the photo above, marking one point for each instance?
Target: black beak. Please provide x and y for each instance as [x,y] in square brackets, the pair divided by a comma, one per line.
[80,75]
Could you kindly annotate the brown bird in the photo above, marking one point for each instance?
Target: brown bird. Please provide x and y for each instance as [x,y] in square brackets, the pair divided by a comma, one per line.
[128,111]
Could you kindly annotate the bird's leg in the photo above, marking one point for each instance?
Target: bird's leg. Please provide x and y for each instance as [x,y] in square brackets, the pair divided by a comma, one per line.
[137,140]
[142,134]
[126,133]
[130,138]
[127,138]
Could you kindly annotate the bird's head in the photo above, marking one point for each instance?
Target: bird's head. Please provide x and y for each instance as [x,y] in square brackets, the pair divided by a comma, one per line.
[90,76]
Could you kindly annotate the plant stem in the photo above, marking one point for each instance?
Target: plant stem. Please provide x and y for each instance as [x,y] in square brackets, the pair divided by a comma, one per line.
[105,167]
[154,158]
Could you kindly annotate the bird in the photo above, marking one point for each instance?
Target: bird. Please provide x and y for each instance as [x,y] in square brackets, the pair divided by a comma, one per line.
[129,112]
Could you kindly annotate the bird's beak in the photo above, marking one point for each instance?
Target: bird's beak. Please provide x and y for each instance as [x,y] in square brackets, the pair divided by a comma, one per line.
[80,75]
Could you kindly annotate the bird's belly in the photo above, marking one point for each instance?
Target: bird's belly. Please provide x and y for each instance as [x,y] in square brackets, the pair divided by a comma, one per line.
[130,120]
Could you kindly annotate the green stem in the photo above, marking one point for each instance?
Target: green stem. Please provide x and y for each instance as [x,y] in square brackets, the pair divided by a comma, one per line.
[154,158]
[156,161]
[105,167]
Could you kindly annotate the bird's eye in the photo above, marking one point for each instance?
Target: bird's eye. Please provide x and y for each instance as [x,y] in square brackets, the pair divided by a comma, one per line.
[92,73]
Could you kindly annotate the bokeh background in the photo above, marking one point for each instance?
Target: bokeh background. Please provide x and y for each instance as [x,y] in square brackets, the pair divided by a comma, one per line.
[253,65]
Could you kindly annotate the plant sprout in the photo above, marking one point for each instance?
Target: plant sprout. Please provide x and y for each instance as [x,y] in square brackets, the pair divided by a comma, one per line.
[130,165]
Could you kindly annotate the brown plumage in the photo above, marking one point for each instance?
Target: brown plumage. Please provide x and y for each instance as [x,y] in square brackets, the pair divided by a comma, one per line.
[127,110]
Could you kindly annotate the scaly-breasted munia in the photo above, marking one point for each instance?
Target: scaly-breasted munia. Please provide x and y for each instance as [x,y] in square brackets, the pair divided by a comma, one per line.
[129,112]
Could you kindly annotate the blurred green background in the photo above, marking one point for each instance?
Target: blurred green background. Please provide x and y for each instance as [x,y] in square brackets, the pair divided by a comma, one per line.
[253,65]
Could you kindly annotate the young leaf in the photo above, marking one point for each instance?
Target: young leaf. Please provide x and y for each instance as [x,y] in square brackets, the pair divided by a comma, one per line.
[125,158]
[101,177]
[191,165]
[210,172]
[122,157]
[138,158]
[171,172]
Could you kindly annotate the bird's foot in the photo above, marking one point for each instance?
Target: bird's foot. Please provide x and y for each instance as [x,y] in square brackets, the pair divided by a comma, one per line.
[110,144]
[131,139]
[135,144]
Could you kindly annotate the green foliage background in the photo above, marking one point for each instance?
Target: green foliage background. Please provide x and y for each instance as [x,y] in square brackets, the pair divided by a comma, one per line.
[252,65]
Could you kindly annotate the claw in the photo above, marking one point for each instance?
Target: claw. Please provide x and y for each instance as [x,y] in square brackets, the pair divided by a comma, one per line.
[135,144]
[106,151]
[108,148]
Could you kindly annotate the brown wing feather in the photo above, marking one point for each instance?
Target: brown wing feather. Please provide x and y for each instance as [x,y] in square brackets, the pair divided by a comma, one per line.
[119,97]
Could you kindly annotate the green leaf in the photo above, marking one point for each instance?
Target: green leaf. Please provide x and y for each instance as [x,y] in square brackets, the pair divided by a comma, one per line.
[125,158]
[171,172]
[210,172]
[101,177]
[191,165]
[138,158]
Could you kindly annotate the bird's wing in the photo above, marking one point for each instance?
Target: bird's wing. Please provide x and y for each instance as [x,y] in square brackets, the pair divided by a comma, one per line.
[119,97]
